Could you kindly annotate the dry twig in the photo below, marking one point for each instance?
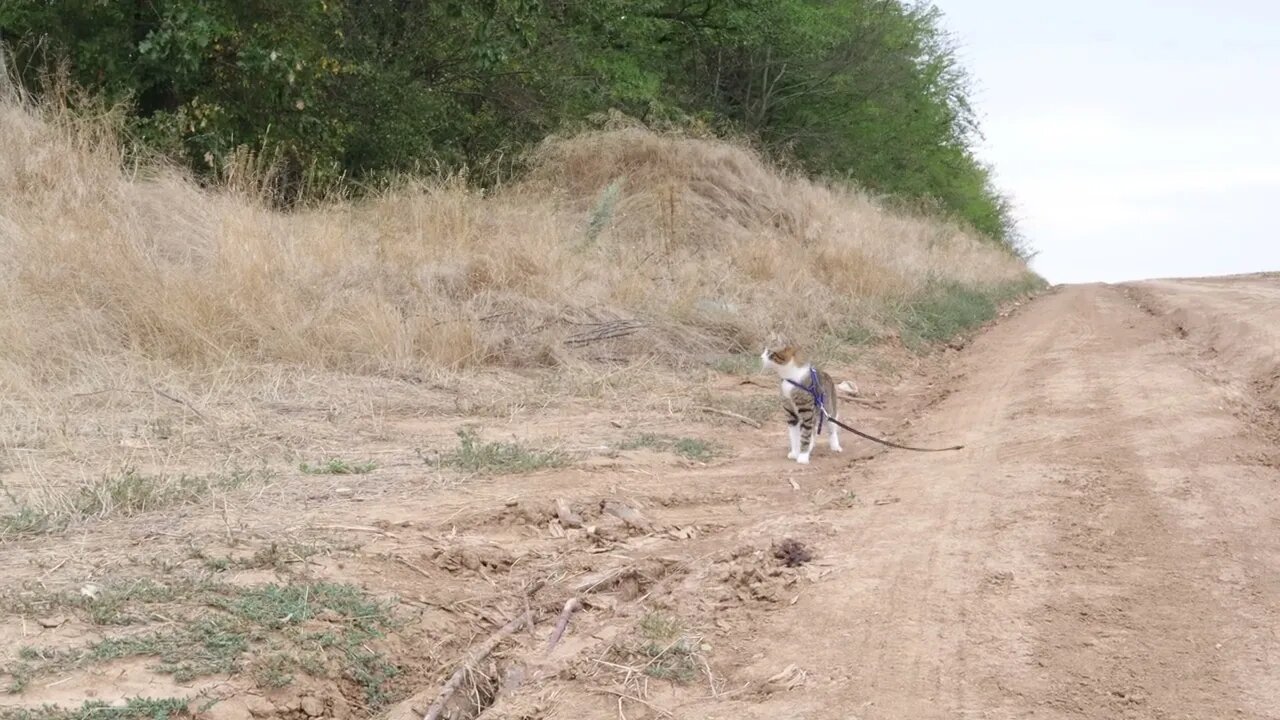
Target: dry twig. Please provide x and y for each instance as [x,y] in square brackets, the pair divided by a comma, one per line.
[478,653]
[571,606]
[728,414]
[633,698]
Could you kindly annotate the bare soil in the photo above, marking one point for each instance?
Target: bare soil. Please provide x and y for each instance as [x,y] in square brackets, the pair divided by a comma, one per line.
[1106,545]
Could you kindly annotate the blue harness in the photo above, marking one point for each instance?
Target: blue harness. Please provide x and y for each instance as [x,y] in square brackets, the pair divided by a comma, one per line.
[818,398]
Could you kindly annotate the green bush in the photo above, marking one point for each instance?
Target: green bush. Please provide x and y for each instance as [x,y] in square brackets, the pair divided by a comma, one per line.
[346,92]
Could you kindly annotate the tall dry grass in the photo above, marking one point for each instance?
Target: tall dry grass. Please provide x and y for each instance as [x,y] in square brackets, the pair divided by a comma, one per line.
[701,243]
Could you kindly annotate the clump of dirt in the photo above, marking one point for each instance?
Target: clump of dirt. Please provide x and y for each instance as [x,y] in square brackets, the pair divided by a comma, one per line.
[792,553]
[456,558]
[749,576]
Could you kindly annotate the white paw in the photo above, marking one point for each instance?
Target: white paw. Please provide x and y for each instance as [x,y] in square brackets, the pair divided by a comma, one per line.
[792,455]
[835,447]
[803,459]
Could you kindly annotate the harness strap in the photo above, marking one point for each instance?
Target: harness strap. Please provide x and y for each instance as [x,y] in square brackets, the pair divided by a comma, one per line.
[818,398]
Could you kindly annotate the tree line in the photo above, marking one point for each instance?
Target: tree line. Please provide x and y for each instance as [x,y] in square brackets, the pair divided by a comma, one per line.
[353,91]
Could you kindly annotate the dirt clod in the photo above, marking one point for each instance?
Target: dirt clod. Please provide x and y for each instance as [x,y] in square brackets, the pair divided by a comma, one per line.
[313,707]
[792,553]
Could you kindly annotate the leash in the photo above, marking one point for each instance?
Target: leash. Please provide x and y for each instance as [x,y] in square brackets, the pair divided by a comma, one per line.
[816,392]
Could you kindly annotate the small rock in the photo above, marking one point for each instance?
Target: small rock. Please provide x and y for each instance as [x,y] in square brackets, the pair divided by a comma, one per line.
[312,707]
[342,491]
[260,706]
[91,590]
[51,622]
[469,559]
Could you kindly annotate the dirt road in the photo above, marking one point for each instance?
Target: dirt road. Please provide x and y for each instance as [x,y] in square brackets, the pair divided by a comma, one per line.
[1106,546]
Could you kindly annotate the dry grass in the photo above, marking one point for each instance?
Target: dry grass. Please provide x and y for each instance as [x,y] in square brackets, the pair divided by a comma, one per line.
[705,246]
[147,321]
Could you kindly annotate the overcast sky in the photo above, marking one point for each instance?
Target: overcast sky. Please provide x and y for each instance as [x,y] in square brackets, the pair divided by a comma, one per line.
[1137,138]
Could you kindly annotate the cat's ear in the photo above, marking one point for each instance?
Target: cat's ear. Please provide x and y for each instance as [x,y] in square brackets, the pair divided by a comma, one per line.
[784,355]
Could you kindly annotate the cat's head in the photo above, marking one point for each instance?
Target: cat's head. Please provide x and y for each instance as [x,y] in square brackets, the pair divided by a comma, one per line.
[778,357]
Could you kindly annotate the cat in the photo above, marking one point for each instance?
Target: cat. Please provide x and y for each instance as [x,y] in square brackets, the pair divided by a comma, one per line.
[805,420]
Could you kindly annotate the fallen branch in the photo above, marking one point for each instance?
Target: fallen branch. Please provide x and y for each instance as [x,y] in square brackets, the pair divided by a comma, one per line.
[154,390]
[180,401]
[571,606]
[478,653]
[728,414]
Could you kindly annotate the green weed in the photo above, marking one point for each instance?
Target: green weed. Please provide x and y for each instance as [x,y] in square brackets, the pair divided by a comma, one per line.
[131,492]
[669,652]
[25,523]
[133,709]
[475,455]
[339,467]
[950,309]
[602,213]
[234,621]
[686,447]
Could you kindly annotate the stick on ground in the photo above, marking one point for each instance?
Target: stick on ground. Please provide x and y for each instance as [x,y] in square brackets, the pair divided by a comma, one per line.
[728,414]
[477,654]
[571,606]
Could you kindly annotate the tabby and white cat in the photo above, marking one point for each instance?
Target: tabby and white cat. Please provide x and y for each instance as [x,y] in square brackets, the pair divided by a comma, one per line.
[802,385]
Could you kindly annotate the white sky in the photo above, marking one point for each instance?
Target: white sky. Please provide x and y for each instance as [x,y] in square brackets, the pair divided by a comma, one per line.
[1137,138]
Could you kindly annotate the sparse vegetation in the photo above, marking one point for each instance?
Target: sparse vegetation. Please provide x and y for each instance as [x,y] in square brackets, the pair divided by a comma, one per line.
[235,621]
[338,466]
[686,447]
[130,492]
[124,493]
[132,709]
[669,652]
[477,456]
[25,522]
[949,309]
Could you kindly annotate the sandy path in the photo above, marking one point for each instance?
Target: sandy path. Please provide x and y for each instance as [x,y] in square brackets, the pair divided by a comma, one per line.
[1105,548]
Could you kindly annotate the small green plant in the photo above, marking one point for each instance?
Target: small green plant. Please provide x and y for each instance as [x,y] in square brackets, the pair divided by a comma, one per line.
[669,652]
[602,213]
[131,492]
[475,455]
[25,523]
[686,447]
[338,467]
[273,671]
[235,621]
[19,678]
[133,709]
